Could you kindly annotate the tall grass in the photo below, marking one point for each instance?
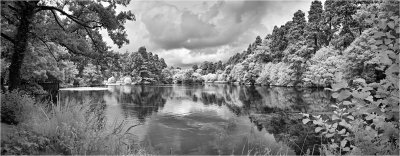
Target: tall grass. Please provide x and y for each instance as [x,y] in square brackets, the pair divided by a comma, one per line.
[70,128]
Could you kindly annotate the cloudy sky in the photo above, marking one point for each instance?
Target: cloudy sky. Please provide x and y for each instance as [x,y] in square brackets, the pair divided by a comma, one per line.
[192,31]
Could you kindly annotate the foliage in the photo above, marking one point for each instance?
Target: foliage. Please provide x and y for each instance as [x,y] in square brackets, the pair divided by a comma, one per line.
[32,22]
[166,76]
[358,58]
[15,107]
[111,80]
[275,74]
[142,65]
[71,128]
[210,77]
[38,63]
[371,105]
[322,67]
[69,72]
[91,76]
[314,34]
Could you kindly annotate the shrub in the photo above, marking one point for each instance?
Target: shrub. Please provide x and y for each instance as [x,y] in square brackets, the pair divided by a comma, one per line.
[15,107]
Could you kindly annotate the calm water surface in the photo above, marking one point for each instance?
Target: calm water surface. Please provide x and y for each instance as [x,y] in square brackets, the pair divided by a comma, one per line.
[210,119]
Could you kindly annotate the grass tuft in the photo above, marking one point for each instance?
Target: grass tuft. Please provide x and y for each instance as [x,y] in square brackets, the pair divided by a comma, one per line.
[70,128]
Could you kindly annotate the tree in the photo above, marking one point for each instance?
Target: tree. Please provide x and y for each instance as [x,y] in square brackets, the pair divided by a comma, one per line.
[339,15]
[211,67]
[314,34]
[330,21]
[27,20]
[143,53]
[296,30]
[220,66]
[258,41]
[194,67]
[279,41]
[91,75]
[163,64]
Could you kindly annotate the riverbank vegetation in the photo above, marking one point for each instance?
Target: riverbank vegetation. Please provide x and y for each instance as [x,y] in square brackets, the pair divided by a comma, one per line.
[336,37]
[71,128]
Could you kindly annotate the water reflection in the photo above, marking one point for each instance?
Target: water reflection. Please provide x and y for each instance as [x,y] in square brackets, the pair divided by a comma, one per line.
[212,119]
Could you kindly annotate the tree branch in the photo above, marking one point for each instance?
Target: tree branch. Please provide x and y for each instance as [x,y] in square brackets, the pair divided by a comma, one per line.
[8,38]
[44,42]
[13,8]
[8,19]
[91,37]
[73,51]
[73,18]
[56,17]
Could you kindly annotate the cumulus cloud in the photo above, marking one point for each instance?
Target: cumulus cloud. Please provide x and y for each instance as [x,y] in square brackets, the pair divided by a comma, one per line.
[185,58]
[171,27]
[189,32]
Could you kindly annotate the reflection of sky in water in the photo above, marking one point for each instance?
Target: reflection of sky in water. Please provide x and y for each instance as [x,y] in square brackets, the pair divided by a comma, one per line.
[192,120]
[187,127]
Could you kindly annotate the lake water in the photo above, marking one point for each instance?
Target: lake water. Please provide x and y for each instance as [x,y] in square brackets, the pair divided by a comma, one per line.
[211,118]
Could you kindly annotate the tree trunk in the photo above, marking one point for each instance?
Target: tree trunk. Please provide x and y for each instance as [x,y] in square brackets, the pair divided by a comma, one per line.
[26,13]
[315,42]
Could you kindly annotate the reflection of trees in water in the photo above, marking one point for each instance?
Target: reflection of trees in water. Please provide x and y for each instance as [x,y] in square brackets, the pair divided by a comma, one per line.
[289,129]
[141,101]
[278,106]
[94,97]
[244,100]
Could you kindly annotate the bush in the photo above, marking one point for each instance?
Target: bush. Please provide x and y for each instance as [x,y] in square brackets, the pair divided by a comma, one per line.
[15,107]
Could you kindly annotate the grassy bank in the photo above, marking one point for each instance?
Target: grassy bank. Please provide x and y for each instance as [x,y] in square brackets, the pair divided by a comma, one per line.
[32,127]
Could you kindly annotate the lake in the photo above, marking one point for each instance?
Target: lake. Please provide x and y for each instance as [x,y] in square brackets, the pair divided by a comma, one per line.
[212,118]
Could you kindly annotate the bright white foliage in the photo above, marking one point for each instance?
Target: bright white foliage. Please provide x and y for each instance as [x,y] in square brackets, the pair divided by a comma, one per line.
[323,66]
[127,80]
[210,77]
[275,74]
[111,80]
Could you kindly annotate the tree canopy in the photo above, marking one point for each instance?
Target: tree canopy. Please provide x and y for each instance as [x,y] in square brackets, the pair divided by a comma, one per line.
[73,25]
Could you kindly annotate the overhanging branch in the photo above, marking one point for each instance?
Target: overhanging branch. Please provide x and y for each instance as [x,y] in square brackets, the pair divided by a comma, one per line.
[91,37]
[56,17]
[44,42]
[73,51]
[8,38]
[73,18]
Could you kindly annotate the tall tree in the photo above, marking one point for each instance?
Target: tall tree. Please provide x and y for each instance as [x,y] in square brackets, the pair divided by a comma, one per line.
[339,17]
[163,64]
[220,66]
[195,67]
[314,34]
[79,20]
[258,41]
[279,41]
[296,31]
